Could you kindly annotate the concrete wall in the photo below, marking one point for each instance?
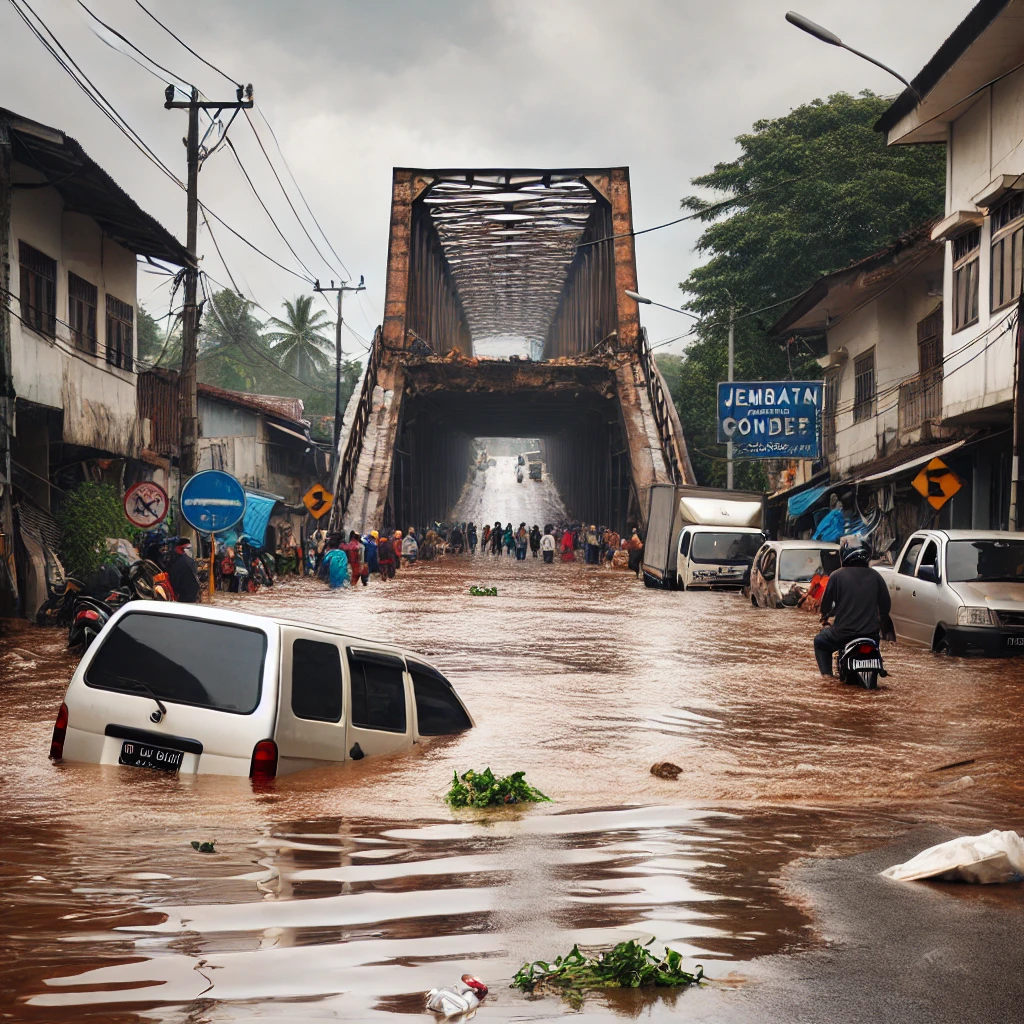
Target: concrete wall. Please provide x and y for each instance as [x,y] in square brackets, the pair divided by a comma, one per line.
[984,142]
[98,399]
[889,323]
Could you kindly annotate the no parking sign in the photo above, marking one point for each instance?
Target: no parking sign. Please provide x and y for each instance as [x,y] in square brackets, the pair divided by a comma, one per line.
[145,504]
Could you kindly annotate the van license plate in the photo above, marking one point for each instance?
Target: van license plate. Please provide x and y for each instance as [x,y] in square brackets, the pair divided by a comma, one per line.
[873,663]
[143,755]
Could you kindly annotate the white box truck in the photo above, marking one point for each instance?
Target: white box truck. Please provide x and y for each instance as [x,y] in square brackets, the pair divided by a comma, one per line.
[701,537]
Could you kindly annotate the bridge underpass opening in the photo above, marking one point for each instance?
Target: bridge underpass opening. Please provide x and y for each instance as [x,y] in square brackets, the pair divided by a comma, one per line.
[532,262]
[582,444]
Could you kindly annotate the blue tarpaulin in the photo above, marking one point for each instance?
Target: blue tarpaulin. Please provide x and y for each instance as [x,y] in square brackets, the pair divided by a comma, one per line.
[257,515]
[800,503]
[838,524]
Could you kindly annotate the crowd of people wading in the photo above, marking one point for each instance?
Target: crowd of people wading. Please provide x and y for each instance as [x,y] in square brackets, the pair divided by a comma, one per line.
[349,562]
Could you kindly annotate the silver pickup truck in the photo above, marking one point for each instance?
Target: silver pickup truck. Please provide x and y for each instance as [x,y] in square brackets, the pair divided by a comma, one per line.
[959,591]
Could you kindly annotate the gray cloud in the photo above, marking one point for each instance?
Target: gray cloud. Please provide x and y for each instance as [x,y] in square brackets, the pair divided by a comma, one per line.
[353,89]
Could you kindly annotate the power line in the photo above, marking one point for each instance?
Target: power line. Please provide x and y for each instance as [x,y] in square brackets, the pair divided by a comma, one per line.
[213,67]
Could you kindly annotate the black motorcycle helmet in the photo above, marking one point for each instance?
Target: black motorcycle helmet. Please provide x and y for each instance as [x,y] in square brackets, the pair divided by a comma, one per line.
[853,550]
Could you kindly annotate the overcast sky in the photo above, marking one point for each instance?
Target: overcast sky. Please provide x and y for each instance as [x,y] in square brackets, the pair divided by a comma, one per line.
[355,88]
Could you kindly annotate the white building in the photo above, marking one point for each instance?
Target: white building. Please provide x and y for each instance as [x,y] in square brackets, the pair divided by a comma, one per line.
[972,100]
[67,344]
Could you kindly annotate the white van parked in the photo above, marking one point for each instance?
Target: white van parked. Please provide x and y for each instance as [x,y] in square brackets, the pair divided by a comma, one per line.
[189,689]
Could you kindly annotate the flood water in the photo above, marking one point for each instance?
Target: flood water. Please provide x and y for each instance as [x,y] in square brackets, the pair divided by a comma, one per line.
[347,892]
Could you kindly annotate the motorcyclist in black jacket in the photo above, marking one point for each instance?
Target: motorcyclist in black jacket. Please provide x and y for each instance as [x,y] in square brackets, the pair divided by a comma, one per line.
[857,601]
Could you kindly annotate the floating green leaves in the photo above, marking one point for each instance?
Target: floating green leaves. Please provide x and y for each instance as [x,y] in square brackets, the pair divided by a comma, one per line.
[484,591]
[482,789]
[628,965]
[203,847]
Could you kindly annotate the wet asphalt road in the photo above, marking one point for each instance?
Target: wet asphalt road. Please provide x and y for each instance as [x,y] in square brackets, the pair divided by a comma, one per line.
[344,893]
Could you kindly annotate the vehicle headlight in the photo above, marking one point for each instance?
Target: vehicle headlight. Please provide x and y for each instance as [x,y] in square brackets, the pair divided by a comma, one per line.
[975,617]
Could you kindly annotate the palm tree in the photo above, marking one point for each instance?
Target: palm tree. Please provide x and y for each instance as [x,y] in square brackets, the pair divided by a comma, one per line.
[297,340]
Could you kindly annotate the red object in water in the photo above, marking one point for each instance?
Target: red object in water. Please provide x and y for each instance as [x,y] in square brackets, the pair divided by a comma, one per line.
[60,730]
[264,760]
[475,984]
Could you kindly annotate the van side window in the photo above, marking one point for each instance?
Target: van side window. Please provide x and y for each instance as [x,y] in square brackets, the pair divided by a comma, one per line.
[684,544]
[378,691]
[909,560]
[316,681]
[438,710]
[768,563]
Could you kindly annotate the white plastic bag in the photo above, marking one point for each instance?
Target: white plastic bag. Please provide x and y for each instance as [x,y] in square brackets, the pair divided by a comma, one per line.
[994,857]
[452,1001]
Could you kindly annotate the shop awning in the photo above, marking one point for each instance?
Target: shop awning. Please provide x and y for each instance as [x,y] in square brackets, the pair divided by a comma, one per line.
[258,510]
[903,467]
[800,503]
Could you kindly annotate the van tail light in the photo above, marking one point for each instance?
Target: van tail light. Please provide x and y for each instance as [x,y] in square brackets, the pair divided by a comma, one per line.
[264,760]
[60,730]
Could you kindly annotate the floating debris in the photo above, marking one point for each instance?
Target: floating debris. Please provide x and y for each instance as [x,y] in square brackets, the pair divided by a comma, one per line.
[666,770]
[482,789]
[629,964]
[484,591]
[203,847]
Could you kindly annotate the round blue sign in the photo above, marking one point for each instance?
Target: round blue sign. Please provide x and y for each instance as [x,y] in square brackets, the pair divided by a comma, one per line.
[212,501]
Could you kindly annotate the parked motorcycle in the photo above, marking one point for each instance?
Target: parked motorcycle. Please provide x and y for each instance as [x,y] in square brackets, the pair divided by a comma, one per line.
[861,662]
[91,614]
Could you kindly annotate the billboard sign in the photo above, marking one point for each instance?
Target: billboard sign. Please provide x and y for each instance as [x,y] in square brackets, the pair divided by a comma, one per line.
[771,419]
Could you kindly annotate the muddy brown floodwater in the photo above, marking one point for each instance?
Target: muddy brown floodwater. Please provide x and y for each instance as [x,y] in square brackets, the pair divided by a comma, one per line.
[347,892]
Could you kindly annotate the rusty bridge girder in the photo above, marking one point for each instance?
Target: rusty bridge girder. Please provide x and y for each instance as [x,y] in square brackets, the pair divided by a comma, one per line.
[544,256]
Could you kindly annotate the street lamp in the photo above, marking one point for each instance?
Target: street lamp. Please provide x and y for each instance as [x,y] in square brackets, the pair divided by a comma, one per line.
[637,297]
[816,30]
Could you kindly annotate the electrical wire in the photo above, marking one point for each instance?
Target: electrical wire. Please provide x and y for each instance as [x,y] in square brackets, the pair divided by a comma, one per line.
[212,67]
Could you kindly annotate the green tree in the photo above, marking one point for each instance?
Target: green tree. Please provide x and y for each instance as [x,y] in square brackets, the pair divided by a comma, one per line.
[90,513]
[298,341]
[809,193]
[155,345]
[232,352]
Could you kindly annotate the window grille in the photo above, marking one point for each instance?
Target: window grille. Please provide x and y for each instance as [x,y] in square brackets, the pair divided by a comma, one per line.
[965,278]
[120,336]
[864,386]
[1007,243]
[38,289]
[82,299]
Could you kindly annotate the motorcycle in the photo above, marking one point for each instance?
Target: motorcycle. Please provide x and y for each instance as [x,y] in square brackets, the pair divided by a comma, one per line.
[90,616]
[860,661]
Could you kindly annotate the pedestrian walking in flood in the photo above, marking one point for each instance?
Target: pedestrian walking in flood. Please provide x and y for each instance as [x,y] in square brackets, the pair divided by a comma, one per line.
[386,558]
[355,552]
[510,539]
[335,567]
[370,547]
[547,546]
[396,548]
[410,547]
[522,541]
[457,540]
[636,553]
[497,535]
[568,546]
[471,538]
[182,572]
[592,539]
[485,538]
[535,540]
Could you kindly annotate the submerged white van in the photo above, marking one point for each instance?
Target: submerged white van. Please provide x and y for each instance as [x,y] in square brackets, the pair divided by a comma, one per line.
[183,688]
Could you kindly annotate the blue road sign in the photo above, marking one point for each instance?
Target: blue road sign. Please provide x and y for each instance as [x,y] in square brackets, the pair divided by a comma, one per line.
[770,419]
[212,501]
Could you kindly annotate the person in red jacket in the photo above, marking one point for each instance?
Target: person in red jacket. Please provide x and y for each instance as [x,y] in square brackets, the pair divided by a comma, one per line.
[354,550]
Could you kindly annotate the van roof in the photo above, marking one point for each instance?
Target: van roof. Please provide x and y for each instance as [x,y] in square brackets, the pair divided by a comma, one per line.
[250,620]
[793,545]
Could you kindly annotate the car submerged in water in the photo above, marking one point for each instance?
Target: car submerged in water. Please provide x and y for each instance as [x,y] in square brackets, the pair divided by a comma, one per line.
[209,691]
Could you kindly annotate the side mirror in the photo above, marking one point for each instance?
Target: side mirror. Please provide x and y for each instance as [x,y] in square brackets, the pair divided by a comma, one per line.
[928,573]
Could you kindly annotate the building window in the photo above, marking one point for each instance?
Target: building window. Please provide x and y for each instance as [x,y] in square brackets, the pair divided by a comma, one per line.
[1007,239]
[929,342]
[864,386]
[120,317]
[82,298]
[965,279]
[38,290]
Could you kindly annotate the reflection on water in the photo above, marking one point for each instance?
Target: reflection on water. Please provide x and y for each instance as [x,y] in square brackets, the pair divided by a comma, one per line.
[349,891]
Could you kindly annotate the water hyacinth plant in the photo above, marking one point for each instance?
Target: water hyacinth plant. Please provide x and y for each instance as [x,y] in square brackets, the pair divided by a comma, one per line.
[482,789]
[629,964]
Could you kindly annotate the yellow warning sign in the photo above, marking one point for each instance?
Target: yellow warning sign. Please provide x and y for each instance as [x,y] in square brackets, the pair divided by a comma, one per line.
[937,483]
[318,500]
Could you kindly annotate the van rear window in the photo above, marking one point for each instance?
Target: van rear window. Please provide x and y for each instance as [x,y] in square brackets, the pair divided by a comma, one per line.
[183,661]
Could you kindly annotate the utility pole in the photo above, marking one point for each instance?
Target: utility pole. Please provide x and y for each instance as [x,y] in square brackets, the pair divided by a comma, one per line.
[8,576]
[732,361]
[340,288]
[187,400]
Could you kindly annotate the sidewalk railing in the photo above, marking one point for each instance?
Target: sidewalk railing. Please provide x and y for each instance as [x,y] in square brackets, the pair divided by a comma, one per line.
[346,477]
[666,419]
